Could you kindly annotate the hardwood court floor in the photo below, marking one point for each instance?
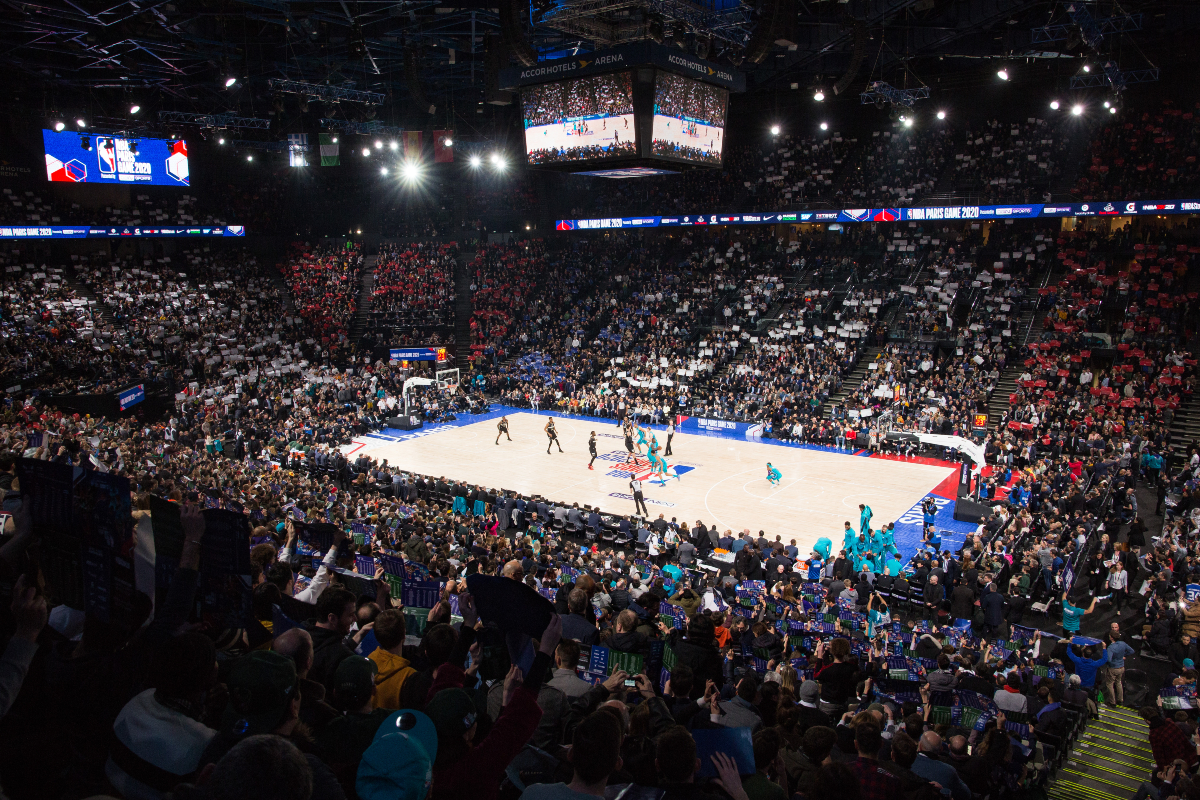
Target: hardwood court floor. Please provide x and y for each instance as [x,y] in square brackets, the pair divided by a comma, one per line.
[722,480]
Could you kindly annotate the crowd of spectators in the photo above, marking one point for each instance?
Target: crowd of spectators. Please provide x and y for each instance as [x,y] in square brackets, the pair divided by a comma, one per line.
[414,285]
[1146,156]
[324,281]
[796,169]
[596,96]
[1011,162]
[896,167]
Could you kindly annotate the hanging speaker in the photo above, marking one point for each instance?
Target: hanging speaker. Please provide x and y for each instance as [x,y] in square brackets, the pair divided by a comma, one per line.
[860,50]
[511,12]
[763,38]
[412,75]
[495,59]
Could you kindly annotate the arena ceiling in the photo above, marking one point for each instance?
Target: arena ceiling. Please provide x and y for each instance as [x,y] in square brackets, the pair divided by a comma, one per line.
[434,63]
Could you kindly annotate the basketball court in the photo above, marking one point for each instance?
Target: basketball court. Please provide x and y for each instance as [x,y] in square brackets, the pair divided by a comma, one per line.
[722,479]
[601,131]
[690,134]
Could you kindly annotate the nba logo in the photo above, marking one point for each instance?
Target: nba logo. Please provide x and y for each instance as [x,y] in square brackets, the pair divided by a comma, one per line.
[106,153]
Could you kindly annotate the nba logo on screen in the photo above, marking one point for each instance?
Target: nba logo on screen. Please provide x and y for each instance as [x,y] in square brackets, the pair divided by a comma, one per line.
[106,154]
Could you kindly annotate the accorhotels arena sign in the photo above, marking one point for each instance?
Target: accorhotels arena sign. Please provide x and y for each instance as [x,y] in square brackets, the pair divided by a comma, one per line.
[624,56]
[695,66]
[552,70]
[918,214]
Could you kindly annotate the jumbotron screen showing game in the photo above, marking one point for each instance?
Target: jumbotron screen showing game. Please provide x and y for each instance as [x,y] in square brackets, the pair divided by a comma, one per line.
[580,120]
[96,158]
[689,119]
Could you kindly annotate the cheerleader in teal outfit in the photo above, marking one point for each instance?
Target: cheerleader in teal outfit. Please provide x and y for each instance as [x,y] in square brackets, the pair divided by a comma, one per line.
[773,475]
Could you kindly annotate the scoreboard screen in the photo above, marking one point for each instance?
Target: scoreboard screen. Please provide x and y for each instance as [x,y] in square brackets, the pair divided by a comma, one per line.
[689,119]
[584,119]
[96,158]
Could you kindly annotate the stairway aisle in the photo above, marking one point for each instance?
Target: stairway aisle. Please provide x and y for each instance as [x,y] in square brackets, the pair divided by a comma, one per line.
[853,380]
[462,309]
[1109,761]
[366,294]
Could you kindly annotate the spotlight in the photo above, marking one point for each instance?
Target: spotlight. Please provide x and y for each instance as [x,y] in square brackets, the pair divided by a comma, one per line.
[135,108]
[58,126]
[1002,74]
[378,144]
[1112,109]
[221,140]
[366,151]
[1087,67]
[1107,104]
[81,123]
[1054,105]
[391,145]
[498,161]
[449,142]
[85,143]
[775,129]
[908,121]
[941,115]
[359,231]
[528,227]
[818,95]
[412,171]
[824,126]
[1077,110]
[249,158]
[230,82]
[475,161]
[334,140]
[383,170]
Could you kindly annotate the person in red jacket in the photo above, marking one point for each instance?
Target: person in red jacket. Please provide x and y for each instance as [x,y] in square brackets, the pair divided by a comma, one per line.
[1167,741]
[463,769]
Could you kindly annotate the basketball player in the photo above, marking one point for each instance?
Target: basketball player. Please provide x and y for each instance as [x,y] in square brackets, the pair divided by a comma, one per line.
[592,449]
[773,475]
[552,435]
[632,454]
[502,429]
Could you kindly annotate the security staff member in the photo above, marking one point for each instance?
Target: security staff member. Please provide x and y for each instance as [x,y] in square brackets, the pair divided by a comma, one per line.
[639,500]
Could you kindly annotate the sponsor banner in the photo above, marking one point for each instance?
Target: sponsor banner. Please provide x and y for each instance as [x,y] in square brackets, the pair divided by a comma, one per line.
[437,354]
[96,232]
[82,157]
[724,427]
[621,57]
[131,396]
[919,214]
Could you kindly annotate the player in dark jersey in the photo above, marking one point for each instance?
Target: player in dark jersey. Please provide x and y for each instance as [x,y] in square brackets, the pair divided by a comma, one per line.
[632,454]
[592,449]
[502,429]
[552,435]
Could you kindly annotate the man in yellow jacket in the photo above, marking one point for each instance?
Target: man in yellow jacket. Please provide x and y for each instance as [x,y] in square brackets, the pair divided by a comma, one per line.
[394,668]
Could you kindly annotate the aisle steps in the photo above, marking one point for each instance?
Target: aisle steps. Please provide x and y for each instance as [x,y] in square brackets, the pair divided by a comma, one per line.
[1108,762]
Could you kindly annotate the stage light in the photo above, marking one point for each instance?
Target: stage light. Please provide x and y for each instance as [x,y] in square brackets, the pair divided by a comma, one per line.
[908,121]
[230,82]
[58,126]
[1107,104]
[249,158]
[135,108]
[528,227]
[366,151]
[1087,67]
[334,140]
[941,115]
[1112,109]
[81,123]
[775,129]
[818,95]
[498,161]
[1054,105]
[475,161]
[391,145]
[221,140]
[383,170]
[824,126]
[448,142]
[378,145]
[412,171]
[359,231]
[1002,74]
[1077,110]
